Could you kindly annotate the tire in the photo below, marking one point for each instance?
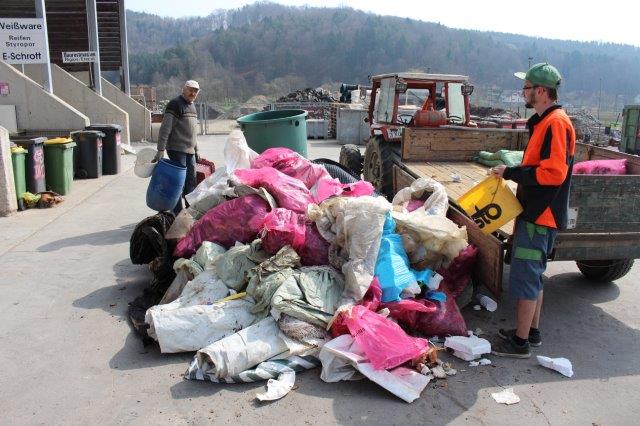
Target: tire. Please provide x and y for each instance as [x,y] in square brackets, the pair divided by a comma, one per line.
[604,270]
[351,158]
[379,158]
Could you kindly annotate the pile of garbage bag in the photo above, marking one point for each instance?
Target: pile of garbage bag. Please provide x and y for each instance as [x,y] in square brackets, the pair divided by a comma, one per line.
[276,268]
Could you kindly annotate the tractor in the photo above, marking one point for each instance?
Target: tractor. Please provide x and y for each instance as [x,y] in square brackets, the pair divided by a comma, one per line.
[405,100]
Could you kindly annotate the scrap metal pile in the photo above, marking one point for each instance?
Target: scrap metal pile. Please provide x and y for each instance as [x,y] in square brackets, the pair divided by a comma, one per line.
[308,95]
[589,129]
[276,268]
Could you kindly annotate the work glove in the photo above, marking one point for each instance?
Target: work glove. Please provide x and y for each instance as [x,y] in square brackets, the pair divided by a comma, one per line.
[158,156]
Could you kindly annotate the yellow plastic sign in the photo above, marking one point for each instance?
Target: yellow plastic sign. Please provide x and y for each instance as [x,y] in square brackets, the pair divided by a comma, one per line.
[491,204]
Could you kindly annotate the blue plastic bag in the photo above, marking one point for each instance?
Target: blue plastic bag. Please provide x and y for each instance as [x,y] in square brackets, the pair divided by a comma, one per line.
[392,265]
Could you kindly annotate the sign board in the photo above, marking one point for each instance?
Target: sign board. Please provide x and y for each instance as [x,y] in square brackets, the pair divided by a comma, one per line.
[23,41]
[78,57]
[4,88]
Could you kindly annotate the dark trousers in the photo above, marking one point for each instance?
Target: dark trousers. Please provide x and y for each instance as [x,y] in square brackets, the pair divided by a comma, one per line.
[188,161]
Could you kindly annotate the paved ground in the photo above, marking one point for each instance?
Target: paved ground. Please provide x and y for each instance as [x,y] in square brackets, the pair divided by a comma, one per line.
[69,357]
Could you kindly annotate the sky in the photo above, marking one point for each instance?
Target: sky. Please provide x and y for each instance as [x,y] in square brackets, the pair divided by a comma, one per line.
[612,21]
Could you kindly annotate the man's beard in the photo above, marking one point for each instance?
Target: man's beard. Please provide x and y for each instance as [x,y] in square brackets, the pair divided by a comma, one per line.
[528,105]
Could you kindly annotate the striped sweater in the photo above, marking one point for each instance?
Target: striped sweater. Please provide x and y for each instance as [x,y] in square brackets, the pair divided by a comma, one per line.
[179,127]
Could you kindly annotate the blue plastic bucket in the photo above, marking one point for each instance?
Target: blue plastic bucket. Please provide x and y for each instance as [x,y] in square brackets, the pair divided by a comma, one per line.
[165,187]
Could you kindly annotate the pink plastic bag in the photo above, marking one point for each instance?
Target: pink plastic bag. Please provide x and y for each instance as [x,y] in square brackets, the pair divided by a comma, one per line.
[371,301]
[414,205]
[291,164]
[332,187]
[601,167]
[383,341]
[290,193]
[284,227]
[239,220]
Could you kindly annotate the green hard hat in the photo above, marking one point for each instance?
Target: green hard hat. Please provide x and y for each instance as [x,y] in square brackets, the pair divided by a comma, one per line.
[542,74]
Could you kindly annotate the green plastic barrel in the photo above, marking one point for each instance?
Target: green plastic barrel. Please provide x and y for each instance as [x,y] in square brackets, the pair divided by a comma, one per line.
[19,159]
[58,162]
[285,128]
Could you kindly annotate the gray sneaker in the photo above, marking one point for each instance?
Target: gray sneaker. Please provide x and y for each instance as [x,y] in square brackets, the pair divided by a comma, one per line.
[535,338]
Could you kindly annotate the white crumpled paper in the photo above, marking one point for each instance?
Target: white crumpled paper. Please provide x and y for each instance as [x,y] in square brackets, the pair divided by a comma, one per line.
[506,397]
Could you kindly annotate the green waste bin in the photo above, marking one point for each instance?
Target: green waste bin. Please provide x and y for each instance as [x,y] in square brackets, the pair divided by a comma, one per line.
[18,159]
[285,128]
[58,161]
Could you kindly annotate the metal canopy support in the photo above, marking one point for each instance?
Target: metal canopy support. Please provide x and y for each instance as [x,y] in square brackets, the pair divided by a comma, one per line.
[94,44]
[41,12]
[126,87]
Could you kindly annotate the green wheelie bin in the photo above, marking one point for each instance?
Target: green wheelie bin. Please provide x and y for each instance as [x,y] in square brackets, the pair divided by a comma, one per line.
[58,161]
[19,160]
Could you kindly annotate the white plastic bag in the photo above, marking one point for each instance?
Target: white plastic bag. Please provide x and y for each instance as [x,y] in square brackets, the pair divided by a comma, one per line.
[195,327]
[237,154]
[436,204]
[211,191]
[439,240]
[354,224]
[240,351]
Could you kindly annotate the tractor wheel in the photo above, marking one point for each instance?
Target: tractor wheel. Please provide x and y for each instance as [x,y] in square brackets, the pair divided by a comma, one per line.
[604,270]
[379,158]
[351,158]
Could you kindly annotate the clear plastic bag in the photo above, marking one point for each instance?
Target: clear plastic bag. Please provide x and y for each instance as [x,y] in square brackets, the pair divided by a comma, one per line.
[436,204]
[383,341]
[237,154]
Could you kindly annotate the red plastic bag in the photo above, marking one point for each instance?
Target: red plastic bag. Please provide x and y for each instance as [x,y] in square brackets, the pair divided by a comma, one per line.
[409,311]
[284,227]
[239,220]
[290,193]
[315,250]
[383,341]
[439,318]
[371,301]
[457,276]
[291,164]
[601,167]
[428,317]
[332,187]
[204,169]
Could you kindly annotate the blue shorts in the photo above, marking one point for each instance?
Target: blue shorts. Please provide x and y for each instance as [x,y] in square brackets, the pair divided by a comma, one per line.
[532,245]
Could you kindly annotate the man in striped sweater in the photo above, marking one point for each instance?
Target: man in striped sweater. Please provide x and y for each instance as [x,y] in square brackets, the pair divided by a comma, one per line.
[178,135]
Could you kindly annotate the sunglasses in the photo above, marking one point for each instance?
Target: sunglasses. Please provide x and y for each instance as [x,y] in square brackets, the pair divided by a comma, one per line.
[525,88]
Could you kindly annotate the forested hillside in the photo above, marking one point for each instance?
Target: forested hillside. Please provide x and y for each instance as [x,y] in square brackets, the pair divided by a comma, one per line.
[269,49]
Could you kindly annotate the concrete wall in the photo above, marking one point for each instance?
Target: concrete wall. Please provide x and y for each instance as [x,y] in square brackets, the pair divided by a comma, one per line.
[99,109]
[37,109]
[139,116]
[8,200]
